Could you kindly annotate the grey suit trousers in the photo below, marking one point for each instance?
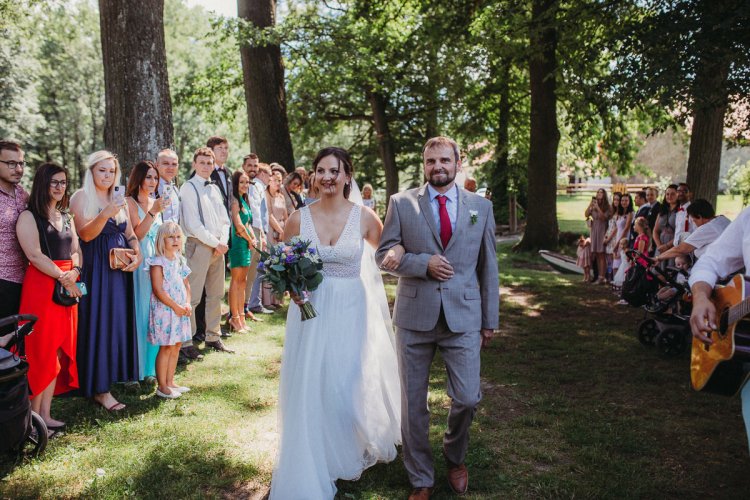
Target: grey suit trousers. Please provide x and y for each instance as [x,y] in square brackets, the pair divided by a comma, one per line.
[460,352]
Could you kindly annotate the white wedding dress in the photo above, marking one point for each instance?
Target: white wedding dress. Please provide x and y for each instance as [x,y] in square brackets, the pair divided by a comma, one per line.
[339,395]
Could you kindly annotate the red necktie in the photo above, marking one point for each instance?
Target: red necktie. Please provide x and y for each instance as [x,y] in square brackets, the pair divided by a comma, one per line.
[445,221]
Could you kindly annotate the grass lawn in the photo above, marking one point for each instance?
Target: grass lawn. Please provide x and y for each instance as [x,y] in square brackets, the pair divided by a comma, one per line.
[573,406]
[570,210]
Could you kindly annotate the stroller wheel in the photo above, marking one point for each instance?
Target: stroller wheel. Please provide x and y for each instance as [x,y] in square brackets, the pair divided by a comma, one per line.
[671,342]
[647,331]
[37,440]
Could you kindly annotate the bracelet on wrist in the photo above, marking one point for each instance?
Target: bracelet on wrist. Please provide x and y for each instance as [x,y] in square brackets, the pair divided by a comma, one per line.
[152,215]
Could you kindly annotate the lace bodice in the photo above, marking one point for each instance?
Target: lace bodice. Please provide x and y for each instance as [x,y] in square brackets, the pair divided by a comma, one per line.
[342,260]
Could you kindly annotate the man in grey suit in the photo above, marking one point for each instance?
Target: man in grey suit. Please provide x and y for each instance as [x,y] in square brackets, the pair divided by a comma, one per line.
[440,241]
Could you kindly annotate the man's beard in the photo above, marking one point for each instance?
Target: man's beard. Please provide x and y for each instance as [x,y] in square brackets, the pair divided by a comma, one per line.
[440,183]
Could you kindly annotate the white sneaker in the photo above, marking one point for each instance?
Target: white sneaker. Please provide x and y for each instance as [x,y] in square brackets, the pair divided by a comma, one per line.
[181,389]
[172,395]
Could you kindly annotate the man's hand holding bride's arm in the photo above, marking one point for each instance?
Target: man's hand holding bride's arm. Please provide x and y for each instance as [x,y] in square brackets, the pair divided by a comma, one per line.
[410,265]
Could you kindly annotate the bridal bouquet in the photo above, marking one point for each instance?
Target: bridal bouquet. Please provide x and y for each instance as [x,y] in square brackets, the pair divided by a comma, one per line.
[293,267]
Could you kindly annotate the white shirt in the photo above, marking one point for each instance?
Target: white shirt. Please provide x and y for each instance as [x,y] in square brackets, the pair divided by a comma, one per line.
[680,220]
[255,195]
[727,254]
[707,234]
[215,227]
[451,205]
[172,212]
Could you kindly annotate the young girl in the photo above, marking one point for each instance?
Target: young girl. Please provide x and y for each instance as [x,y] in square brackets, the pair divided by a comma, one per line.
[584,257]
[169,320]
[621,263]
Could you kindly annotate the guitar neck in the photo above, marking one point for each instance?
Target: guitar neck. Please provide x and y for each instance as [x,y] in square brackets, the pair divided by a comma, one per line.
[739,311]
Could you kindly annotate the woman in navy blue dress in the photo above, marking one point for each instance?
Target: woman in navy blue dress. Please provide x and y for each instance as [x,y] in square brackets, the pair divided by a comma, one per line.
[107,342]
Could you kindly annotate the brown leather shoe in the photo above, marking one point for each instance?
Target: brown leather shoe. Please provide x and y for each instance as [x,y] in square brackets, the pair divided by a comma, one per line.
[420,494]
[458,479]
[218,345]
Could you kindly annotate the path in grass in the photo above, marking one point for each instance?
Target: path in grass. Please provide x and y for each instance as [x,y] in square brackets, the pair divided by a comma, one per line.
[573,406]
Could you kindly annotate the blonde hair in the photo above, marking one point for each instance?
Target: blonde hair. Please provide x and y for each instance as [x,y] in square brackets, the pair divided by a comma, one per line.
[623,243]
[93,207]
[169,228]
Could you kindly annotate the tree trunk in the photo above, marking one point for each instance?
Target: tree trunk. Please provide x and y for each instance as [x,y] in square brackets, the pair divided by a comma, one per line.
[138,110]
[541,217]
[385,143]
[707,134]
[263,74]
[499,180]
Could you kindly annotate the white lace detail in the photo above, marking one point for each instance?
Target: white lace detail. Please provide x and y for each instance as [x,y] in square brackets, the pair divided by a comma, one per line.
[342,260]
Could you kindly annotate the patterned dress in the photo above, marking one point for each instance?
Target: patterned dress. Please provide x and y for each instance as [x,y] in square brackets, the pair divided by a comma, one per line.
[165,327]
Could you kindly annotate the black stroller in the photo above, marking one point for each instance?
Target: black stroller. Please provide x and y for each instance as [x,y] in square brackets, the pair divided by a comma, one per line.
[666,319]
[21,430]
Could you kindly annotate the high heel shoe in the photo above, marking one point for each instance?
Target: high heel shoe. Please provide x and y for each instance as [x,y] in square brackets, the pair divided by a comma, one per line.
[252,317]
[237,325]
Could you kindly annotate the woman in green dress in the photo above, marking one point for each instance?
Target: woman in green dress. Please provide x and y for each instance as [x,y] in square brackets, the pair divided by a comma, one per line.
[239,253]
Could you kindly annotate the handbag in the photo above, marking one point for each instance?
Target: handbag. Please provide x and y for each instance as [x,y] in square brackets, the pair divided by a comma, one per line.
[120,258]
[58,292]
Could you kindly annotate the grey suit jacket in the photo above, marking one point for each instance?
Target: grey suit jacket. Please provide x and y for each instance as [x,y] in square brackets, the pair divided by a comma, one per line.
[471,298]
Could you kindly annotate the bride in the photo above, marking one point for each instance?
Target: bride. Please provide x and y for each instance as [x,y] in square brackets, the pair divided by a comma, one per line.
[339,395]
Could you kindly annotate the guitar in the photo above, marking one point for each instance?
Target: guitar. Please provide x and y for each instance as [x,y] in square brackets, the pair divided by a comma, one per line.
[724,366]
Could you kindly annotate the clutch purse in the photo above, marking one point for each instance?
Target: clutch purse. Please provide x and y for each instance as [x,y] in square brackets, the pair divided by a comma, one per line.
[120,258]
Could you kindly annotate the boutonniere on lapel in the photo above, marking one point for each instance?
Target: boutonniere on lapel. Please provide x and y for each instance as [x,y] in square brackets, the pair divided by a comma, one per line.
[473,215]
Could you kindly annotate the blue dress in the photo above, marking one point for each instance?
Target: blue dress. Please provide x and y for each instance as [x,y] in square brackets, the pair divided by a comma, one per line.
[142,283]
[107,344]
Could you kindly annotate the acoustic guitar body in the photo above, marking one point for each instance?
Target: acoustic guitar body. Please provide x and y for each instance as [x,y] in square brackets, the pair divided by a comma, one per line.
[721,367]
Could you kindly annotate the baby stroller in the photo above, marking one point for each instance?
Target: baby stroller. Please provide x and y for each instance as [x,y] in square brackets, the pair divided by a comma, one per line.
[21,430]
[666,319]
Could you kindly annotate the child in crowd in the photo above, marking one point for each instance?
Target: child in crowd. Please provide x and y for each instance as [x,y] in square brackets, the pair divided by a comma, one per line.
[584,257]
[169,320]
[683,263]
[620,264]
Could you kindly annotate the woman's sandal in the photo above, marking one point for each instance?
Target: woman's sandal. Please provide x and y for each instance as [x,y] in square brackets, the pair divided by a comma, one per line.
[234,321]
[252,317]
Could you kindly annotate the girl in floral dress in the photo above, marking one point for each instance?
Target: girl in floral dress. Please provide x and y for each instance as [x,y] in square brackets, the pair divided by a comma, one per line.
[169,319]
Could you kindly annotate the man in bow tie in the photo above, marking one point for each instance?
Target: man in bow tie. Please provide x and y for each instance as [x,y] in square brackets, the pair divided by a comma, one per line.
[221,174]
[683,225]
[206,225]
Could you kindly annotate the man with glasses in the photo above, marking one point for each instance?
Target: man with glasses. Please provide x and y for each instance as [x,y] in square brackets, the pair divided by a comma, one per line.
[683,225]
[13,200]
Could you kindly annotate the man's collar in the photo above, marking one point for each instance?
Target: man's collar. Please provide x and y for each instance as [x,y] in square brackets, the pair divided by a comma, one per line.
[13,191]
[451,194]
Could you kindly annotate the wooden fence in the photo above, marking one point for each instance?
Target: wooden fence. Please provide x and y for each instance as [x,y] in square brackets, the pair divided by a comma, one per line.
[591,187]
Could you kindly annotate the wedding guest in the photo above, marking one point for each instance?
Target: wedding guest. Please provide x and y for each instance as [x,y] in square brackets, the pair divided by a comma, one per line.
[470,184]
[206,227]
[290,187]
[145,216]
[708,229]
[683,225]
[168,164]
[277,217]
[221,175]
[240,253]
[13,199]
[262,180]
[256,199]
[642,211]
[313,194]
[583,253]
[170,309]
[600,212]
[664,229]
[107,342]
[610,238]
[367,199]
[303,175]
[654,207]
[47,235]
[625,219]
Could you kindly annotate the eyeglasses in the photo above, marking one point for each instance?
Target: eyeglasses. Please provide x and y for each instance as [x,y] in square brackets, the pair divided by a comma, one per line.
[56,184]
[14,164]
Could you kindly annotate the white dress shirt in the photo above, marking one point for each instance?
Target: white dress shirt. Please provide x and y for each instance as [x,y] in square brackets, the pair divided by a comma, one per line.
[727,254]
[707,234]
[451,205]
[215,227]
[172,212]
[255,195]
[679,223]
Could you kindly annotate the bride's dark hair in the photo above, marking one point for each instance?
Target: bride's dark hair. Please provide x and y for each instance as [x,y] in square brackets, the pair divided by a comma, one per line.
[342,155]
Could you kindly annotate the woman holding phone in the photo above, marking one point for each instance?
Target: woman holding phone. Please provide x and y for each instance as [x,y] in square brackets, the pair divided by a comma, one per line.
[47,236]
[107,343]
[600,212]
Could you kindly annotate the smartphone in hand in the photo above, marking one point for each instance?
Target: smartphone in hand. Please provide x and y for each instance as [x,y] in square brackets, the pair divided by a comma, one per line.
[118,195]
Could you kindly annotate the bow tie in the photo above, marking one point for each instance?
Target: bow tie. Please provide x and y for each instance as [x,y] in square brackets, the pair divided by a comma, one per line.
[680,209]
[208,183]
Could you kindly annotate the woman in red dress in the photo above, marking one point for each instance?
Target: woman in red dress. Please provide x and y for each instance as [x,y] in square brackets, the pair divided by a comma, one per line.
[54,256]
